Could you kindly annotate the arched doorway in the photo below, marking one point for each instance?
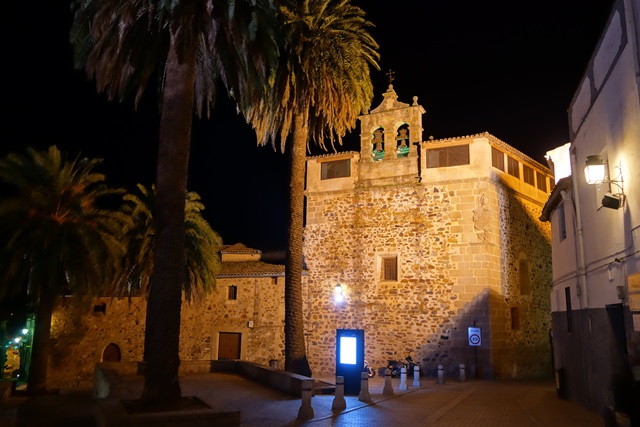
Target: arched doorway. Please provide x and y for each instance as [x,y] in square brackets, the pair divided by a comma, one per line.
[111,353]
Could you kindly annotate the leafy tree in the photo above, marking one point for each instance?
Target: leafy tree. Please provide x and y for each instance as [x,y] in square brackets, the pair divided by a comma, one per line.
[320,87]
[202,247]
[55,238]
[189,46]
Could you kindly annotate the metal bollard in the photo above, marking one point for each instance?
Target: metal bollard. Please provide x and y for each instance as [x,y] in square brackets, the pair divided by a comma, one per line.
[463,374]
[364,395]
[416,376]
[403,379]
[306,410]
[440,374]
[338,402]
[388,388]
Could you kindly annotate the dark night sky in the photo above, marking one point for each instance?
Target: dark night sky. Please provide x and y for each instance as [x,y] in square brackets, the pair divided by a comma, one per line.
[505,67]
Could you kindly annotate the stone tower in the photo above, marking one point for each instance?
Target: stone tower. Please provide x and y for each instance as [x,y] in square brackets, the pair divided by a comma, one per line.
[427,239]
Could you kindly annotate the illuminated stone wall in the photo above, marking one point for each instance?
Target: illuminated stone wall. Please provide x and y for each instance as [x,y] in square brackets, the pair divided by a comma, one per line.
[80,334]
[461,235]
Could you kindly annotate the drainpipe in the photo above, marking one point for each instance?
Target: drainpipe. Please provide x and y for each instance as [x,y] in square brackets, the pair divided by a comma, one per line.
[582,272]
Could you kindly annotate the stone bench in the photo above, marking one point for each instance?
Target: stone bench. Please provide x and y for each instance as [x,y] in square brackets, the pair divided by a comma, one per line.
[108,377]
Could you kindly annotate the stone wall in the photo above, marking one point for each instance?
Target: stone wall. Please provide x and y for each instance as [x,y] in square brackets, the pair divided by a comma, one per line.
[457,243]
[80,334]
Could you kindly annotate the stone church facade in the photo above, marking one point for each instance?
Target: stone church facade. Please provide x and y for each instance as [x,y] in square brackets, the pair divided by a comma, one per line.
[427,239]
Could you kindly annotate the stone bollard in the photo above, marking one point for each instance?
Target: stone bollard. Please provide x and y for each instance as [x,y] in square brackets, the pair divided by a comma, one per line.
[440,374]
[416,376]
[463,374]
[338,402]
[306,410]
[403,379]
[388,388]
[364,395]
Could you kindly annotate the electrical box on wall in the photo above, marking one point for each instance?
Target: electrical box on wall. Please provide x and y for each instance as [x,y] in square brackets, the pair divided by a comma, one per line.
[612,201]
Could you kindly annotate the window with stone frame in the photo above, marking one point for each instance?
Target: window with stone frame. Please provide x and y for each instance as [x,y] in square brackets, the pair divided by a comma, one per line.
[541,180]
[335,169]
[497,158]
[562,224]
[515,318]
[443,157]
[232,292]
[528,175]
[389,268]
[513,167]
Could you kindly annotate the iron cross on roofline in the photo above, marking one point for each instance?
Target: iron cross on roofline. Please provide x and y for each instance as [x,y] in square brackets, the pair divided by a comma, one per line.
[392,75]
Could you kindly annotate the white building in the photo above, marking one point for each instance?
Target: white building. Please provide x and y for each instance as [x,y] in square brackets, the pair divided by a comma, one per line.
[595,296]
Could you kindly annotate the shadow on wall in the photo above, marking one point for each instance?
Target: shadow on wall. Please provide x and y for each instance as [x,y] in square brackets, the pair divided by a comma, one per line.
[514,357]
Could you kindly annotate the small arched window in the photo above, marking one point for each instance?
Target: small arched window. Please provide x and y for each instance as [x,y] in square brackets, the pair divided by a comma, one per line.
[111,353]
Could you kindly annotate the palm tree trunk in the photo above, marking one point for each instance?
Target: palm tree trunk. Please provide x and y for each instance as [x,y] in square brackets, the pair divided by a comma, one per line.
[37,381]
[295,350]
[162,333]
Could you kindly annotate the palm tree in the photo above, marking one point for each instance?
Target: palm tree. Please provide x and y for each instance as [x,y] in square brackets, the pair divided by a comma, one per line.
[320,87]
[202,246]
[189,45]
[55,238]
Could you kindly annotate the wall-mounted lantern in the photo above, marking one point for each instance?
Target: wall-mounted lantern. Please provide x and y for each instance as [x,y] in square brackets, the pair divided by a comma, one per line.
[338,296]
[595,172]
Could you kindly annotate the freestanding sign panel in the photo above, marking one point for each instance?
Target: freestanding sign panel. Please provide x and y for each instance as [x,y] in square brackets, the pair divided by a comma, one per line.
[475,337]
[350,358]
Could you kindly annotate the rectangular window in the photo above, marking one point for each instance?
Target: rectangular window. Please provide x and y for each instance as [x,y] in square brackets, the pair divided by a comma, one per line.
[497,158]
[515,318]
[389,268]
[528,175]
[567,299]
[562,226]
[232,292]
[100,308]
[448,156]
[542,181]
[336,169]
[513,167]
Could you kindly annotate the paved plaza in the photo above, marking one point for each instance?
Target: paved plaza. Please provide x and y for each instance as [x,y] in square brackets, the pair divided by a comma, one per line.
[454,403]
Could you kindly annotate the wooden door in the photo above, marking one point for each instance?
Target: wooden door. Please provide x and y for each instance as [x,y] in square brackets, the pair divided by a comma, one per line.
[229,345]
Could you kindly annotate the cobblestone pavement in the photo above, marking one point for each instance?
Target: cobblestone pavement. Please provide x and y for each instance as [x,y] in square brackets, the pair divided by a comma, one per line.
[472,403]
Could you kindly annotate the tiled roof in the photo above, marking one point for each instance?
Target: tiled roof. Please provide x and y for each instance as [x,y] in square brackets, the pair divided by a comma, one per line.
[250,269]
[555,198]
[341,153]
[238,248]
[498,143]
